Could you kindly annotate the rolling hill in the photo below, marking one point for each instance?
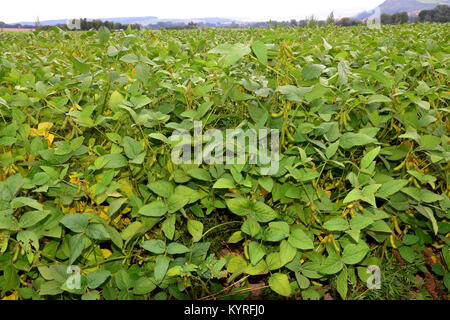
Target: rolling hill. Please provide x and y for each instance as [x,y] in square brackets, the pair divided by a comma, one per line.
[393,6]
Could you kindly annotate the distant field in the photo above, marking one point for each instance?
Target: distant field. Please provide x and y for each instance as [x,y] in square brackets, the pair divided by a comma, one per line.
[15,29]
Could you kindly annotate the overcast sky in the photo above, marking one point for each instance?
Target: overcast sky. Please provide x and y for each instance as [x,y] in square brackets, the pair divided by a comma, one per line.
[28,10]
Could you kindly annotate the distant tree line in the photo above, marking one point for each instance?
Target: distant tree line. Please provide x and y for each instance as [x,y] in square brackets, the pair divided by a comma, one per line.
[15,26]
[84,25]
[439,14]
[396,18]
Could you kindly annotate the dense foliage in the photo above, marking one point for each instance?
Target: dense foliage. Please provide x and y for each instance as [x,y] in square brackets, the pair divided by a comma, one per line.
[87,179]
[439,14]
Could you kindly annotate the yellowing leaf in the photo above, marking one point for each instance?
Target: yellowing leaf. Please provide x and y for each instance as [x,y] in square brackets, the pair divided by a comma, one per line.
[45,126]
[126,186]
[106,253]
[11,297]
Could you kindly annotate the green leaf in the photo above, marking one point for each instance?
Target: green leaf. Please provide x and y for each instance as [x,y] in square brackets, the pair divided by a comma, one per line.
[428,213]
[112,51]
[177,248]
[293,93]
[407,253]
[79,66]
[30,218]
[97,278]
[260,51]
[276,231]
[114,161]
[97,231]
[251,227]
[267,183]
[76,247]
[189,193]
[50,288]
[75,222]
[115,205]
[256,252]
[378,98]
[103,34]
[24,201]
[380,226]
[360,222]
[332,149]
[303,282]
[367,194]
[235,237]
[63,149]
[299,239]
[195,228]
[429,141]
[422,195]
[142,72]
[161,188]
[369,157]
[8,222]
[262,212]
[354,253]
[161,266]
[176,202]
[312,71]
[391,187]
[131,147]
[154,209]
[239,206]
[143,285]
[231,53]
[224,183]
[91,296]
[336,224]
[332,264]
[349,140]
[130,58]
[342,284]
[377,75]
[236,263]
[279,282]
[168,227]
[287,252]
[203,109]
[123,280]
[200,174]
[154,246]
[354,233]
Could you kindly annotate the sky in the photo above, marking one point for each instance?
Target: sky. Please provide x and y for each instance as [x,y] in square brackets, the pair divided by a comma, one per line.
[29,10]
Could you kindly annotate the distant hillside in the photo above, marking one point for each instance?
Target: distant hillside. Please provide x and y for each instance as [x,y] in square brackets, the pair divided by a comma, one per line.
[393,6]
[144,21]
[122,20]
